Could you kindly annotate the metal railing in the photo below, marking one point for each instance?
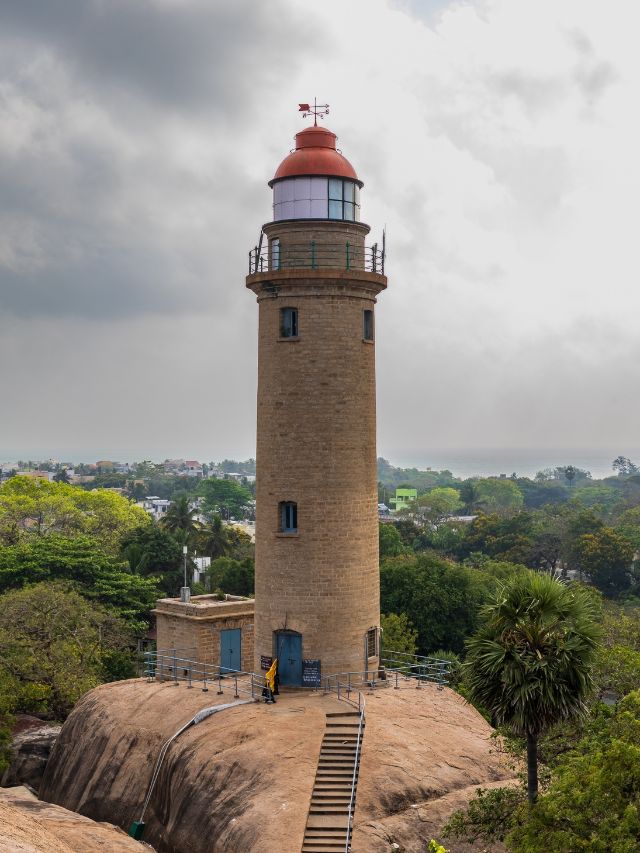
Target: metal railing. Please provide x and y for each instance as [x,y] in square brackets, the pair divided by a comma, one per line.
[167,665]
[313,255]
[418,667]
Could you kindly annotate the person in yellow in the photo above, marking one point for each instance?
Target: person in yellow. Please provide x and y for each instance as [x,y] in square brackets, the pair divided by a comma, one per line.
[270,681]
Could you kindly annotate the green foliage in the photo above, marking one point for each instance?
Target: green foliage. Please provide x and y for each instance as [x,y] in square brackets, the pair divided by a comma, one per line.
[180,518]
[455,666]
[501,496]
[152,551]
[224,497]
[487,818]
[99,576]
[389,475]
[214,540]
[606,558]
[390,541]
[55,645]
[234,577]
[593,803]
[439,597]
[435,505]
[30,508]
[530,663]
[398,634]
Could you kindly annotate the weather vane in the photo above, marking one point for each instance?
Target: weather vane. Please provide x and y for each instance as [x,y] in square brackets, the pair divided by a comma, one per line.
[316,110]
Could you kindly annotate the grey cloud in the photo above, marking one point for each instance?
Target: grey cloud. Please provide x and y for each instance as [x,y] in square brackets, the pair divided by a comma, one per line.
[92,195]
[592,75]
[208,55]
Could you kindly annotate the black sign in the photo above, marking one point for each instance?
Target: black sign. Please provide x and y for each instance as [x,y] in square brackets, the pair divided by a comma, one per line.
[311,673]
[265,662]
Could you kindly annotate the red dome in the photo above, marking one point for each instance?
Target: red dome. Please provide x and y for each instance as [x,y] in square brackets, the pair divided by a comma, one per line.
[315,154]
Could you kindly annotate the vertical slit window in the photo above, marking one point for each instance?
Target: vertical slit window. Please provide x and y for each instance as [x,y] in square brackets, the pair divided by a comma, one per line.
[275,253]
[288,517]
[367,324]
[288,322]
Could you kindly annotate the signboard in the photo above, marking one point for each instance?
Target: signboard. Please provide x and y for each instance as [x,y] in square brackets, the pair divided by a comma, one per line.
[311,673]
[265,662]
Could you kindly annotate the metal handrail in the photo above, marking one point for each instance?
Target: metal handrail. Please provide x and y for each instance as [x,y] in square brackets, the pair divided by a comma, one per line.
[165,662]
[356,761]
[314,255]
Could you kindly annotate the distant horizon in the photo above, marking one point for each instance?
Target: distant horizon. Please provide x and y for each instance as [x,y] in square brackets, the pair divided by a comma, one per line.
[475,462]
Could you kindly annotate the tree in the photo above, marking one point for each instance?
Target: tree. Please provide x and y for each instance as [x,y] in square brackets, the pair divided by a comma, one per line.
[214,539]
[37,508]
[61,476]
[439,597]
[224,497]
[471,498]
[398,634]
[180,517]
[606,558]
[436,505]
[570,474]
[234,577]
[390,541]
[54,646]
[593,802]
[97,575]
[530,663]
[500,496]
[624,466]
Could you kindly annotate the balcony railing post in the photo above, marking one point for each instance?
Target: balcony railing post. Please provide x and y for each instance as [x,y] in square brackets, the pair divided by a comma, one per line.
[348,257]
[313,254]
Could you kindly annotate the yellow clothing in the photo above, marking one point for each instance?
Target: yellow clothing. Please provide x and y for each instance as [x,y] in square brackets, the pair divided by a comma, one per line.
[270,675]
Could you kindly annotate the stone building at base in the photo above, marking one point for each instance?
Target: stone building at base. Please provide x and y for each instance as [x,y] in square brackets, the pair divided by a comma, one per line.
[208,630]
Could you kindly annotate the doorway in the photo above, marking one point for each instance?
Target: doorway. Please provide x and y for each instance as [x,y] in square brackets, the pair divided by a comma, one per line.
[289,653]
[230,650]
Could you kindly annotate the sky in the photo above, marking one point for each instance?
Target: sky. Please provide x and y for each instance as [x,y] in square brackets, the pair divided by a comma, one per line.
[498,144]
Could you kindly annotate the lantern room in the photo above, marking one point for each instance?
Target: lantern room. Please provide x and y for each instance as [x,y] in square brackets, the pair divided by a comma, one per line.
[315,181]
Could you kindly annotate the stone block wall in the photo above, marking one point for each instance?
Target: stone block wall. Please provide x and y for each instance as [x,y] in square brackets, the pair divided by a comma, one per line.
[316,446]
[194,629]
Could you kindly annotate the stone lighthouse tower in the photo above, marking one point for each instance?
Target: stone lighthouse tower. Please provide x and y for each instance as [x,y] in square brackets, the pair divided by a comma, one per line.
[316,281]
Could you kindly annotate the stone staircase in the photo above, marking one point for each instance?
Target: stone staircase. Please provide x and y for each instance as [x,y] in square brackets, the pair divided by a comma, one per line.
[328,828]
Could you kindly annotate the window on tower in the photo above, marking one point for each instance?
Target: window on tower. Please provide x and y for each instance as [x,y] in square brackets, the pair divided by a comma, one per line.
[372,642]
[367,324]
[275,254]
[288,322]
[288,517]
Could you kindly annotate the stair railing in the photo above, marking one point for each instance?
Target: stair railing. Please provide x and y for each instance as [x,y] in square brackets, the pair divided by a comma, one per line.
[352,798]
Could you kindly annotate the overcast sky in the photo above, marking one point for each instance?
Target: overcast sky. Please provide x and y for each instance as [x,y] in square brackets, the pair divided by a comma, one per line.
[498,142]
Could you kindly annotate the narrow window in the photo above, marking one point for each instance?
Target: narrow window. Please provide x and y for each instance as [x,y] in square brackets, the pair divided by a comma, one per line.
[367,324]
[288,322]
[372,642]
[275,253]
[288,517]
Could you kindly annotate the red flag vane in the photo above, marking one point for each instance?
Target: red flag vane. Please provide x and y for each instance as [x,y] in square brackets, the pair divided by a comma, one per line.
[316,110]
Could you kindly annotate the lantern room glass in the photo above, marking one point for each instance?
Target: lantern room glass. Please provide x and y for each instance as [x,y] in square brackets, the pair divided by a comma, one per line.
[316,198]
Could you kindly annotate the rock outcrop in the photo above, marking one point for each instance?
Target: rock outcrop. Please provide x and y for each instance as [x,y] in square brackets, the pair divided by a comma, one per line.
[28,825]
[241,780]
[30,751]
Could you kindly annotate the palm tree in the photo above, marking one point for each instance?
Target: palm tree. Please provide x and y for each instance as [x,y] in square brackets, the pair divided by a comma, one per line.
[180,517]
[215,539]
[530,663]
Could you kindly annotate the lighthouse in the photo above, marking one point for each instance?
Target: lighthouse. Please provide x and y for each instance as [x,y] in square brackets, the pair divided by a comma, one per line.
[316,279]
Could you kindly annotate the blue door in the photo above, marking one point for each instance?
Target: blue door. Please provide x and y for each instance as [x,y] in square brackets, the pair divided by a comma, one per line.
[289,654]
[230,650]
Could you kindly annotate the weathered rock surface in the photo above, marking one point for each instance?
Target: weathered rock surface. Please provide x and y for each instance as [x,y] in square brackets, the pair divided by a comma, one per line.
[28,825]
[30,750]
[241,780]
